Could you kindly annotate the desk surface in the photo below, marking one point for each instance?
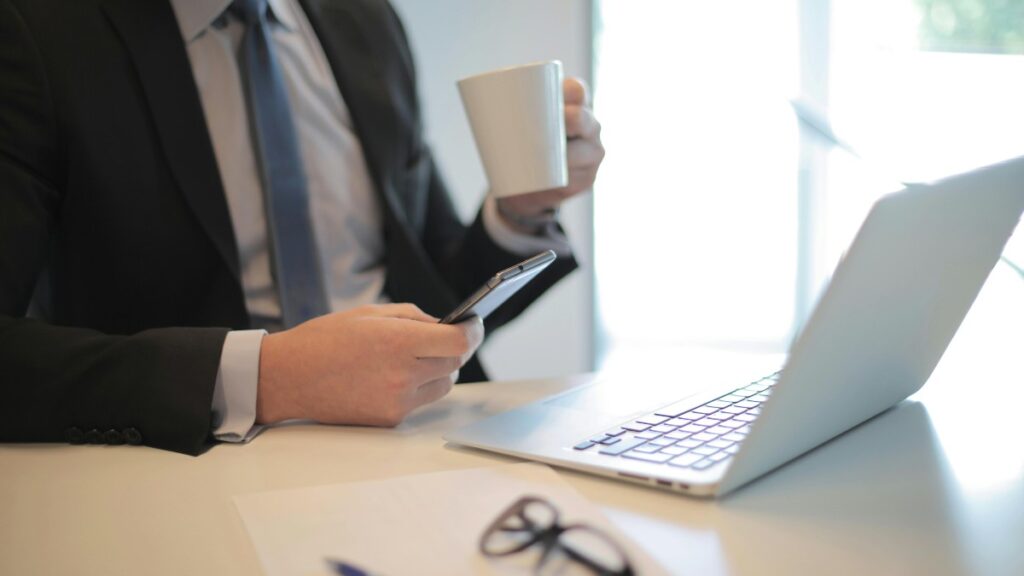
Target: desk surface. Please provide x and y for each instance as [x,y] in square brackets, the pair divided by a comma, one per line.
[934,486]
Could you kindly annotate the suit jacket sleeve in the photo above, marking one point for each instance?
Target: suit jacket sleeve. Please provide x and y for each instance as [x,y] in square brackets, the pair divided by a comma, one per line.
[58,379]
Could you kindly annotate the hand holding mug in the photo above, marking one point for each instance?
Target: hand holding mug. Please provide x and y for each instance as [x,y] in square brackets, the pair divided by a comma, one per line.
[584,153]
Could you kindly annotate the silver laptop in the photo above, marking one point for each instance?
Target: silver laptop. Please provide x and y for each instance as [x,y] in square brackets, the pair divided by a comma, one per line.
[891,308]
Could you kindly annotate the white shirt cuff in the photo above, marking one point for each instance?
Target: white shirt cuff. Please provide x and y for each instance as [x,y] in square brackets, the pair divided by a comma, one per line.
[234,395]
[519,243]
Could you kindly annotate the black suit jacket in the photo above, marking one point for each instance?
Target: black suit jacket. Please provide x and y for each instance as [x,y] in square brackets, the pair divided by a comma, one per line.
[119,273]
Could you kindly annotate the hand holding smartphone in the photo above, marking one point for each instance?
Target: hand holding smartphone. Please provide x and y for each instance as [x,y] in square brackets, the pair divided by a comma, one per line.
[499,288]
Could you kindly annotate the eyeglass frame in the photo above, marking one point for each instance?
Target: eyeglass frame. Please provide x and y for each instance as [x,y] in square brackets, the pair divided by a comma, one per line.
[550,538]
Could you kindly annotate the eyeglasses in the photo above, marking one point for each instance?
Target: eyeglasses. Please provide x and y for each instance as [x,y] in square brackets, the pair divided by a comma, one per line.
[533,521]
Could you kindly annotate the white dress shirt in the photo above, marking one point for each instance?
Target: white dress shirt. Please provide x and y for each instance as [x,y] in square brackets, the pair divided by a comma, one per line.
[346,215]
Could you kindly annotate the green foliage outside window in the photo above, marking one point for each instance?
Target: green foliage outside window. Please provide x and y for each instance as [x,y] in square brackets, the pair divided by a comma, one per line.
[991,26]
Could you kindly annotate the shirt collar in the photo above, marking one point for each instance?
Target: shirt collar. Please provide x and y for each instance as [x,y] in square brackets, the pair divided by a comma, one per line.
[195,16]
[284,12]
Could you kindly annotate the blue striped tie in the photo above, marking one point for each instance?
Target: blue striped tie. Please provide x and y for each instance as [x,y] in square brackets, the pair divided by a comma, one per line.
[293,247]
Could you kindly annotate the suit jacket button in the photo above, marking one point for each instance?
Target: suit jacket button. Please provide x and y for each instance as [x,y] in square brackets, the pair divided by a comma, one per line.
[94,436]
[74,435]
[113,437]
[132,436]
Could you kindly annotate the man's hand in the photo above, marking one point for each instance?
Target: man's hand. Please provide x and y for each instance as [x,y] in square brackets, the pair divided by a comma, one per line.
[584,153]
[372,365]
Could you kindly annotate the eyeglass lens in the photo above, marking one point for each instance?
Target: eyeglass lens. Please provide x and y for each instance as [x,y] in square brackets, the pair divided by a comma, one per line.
[520,526]
[594,549]
[531,526]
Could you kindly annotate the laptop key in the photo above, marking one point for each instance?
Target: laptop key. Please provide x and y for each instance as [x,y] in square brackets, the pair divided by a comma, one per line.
[718,457]
[662,429]
[703,436]
[703,464]
[662,441]
[718,430]
[677,422]
[675,450]
[719,444]
[616,432]
[678,435]
[658,457]
[734,437]
[647,435]
[731,398]
[686,460]
[720,403]
[746,417]
[747,404]
[652,420]
[646,448]
[620,447]
[734,410]
[610,440]
[692,429]
[689,443]
[706,422]
[636,427]
[719,416]
[705,450]
[583,445]
[734,423]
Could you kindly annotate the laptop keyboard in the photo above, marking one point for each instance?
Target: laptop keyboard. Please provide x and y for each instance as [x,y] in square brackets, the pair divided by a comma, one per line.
[679,435]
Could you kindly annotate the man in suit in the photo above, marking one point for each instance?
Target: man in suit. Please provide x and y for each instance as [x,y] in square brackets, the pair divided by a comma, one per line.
[157,286]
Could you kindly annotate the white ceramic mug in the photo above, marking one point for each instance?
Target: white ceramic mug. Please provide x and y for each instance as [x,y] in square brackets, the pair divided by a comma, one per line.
[518,121]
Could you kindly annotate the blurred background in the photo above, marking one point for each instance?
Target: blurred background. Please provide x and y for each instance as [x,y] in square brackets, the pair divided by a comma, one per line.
[746,141]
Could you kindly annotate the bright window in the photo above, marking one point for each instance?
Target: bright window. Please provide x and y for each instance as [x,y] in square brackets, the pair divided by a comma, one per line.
[718,214]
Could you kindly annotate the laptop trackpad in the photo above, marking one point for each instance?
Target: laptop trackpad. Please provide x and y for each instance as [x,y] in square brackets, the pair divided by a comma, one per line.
[616,397]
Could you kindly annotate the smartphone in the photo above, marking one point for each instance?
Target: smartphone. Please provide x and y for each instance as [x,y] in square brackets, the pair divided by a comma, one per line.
[500,288]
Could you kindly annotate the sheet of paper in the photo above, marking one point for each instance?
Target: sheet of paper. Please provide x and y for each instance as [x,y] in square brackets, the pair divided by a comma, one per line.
[421,524]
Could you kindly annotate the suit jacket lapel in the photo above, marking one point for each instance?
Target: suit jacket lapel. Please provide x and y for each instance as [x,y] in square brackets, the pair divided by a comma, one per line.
[151,35]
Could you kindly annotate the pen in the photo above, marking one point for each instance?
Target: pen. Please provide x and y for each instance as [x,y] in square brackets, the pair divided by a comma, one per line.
[346,568]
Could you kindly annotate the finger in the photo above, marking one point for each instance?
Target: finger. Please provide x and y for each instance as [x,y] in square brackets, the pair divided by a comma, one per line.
[580,122]
[574,91]
[580,180]
[404,310]
[442,340]
[583,154]
[476,338]
[531,203]
[434,390]
[475,332]
[427,369]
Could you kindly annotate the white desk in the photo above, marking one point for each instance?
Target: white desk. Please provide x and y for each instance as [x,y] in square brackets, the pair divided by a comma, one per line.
[935,486]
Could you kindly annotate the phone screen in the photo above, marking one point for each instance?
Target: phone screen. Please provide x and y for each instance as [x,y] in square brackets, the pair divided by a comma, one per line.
[500,288]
